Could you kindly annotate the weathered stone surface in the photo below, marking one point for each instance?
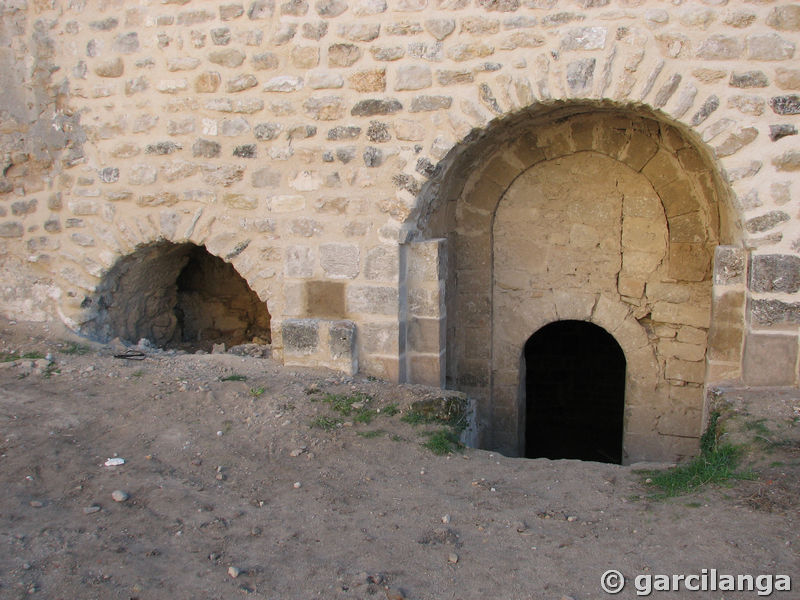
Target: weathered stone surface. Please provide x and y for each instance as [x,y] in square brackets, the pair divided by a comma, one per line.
[126,43]
[720,47]
[373,80]
[736,141]
[766,221]
[284,83]
[260,9]
[378,132]
[425,51]
[330,8]
[749,79]
[324,80]
[769,47]
[788,161]
[749,105]
[440,28]
[206,148]
[315,31]
[787,79]
[785,105]
[584,38]
[221,36]
[775,273]
[172,86]
[770,359]
[193,17]
[454,77]
[305,57]
[729,265]
[245,151]
[785,18]
[371,300]
[227,58]
[110,68]
[387,53]
[343,55]
[179,169]
[781,130]
[430,103]
[374,107]
[142,174]
[265,61]
[359,32]
[11,229]
[300,336]
[325,108]
[234,127]
[413,77]
[580,75]
[468,51]
[373,157]
[349,132]
[224,175]
[229,12]
[207,83]
[708,107]
[340,261]
[241,83]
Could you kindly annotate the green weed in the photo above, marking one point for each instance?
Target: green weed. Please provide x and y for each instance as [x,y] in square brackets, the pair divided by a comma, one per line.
[390,410]
[326,423]
[76,349]
[443,441]
[716,464]
[234,377]
[371,434]
[256,392]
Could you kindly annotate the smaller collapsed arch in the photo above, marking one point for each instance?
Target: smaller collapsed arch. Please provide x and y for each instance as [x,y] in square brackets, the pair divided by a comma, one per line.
[176,295]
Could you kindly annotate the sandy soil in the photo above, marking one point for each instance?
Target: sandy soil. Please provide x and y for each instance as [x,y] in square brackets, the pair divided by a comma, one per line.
[228,478]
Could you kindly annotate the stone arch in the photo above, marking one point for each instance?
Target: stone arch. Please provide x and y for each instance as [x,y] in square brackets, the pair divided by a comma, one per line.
[665,386]
[175,294]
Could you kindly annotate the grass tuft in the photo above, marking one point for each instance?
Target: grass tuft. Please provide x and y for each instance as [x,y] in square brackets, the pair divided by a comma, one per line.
[234,377]
[76,349]
[716,464]
[326,423]
[443,441]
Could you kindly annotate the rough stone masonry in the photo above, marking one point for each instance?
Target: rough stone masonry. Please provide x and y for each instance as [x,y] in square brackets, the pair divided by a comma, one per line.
[414,187]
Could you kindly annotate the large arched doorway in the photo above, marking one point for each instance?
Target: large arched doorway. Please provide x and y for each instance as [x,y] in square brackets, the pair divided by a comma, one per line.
[575,393]
[604,214]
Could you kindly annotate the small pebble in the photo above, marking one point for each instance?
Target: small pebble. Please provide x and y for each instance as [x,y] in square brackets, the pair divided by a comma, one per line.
[297,451]
[120,496]
[36,504]
[234,572]
[572,518]
[452,558]
[446,519]
[87,510]
[297,485]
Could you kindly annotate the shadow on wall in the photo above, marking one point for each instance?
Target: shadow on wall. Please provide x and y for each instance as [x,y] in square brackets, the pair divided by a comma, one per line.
[176,296]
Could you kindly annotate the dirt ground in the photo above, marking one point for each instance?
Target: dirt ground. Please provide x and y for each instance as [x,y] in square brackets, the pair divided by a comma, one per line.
[231,492]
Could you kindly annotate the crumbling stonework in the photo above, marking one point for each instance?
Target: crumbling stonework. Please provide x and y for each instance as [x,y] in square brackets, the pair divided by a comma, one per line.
[420,177]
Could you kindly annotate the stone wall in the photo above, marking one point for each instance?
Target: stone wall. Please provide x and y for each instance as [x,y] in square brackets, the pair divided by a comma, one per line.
[311,144]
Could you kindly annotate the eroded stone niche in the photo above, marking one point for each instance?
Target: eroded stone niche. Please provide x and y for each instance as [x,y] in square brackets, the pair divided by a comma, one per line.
[601,216]
[176,295]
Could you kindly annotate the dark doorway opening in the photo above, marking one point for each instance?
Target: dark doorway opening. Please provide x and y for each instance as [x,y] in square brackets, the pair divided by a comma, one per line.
[176,296]
[574,393]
